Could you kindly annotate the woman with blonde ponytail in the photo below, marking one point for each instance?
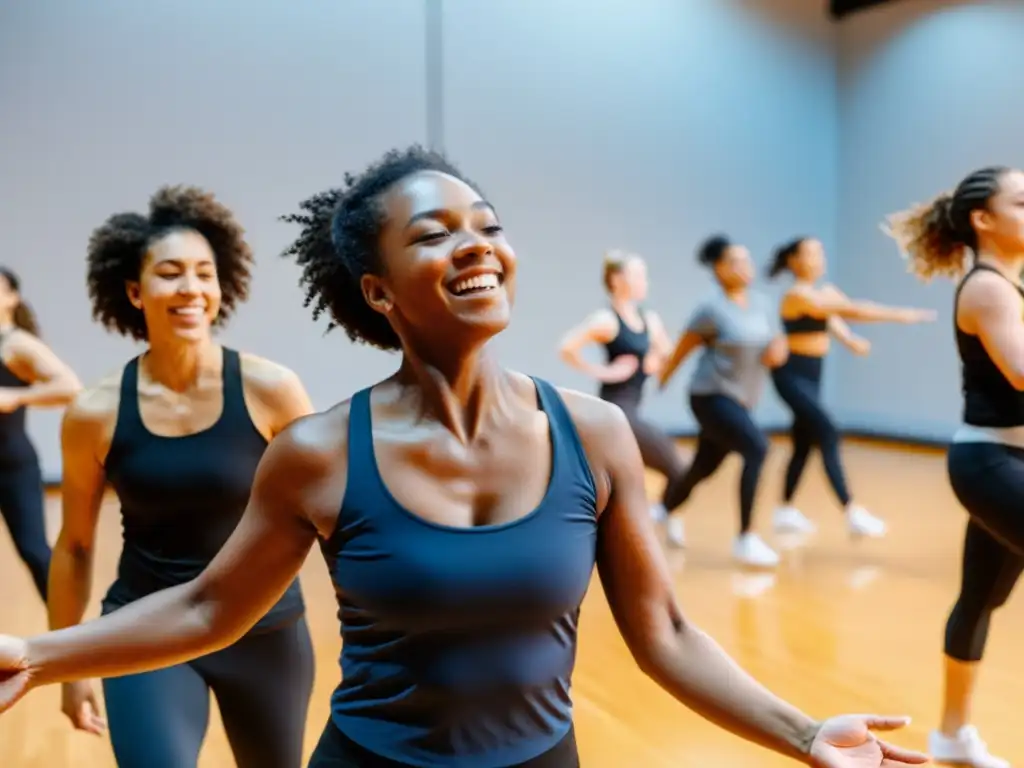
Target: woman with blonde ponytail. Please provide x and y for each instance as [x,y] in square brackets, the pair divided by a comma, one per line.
[31,375]
[975,235]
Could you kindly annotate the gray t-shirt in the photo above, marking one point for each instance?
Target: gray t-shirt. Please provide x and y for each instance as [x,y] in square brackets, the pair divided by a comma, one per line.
[734,337]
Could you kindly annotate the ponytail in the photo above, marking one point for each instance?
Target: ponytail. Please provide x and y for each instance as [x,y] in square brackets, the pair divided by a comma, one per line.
[939,238]
[929,240]
[780,260]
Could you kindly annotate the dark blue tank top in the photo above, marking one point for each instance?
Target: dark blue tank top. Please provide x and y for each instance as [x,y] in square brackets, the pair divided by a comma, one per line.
[805,324]
[182,497]
[990,400]
[16,449]
[627,342]
[459,643]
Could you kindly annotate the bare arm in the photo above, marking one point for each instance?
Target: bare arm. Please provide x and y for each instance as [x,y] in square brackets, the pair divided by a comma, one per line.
[274,394]
[688,341]
[51,381]
[661,343]
[841,331]
[84,434]
[829,301]
[990,308]
[672,651]
[245,579]
[598,328]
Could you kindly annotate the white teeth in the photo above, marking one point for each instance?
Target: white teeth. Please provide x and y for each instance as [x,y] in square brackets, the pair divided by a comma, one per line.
[480,282]
[190,311]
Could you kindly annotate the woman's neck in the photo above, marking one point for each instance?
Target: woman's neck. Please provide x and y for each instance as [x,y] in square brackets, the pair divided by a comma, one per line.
[1009,265]
[6,321]
[624,306]
[738,295]
[177,364]
[458,391]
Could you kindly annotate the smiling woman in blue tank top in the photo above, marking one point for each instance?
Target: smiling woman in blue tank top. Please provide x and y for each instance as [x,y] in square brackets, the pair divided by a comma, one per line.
[461,508]
[178,434]
[810,313]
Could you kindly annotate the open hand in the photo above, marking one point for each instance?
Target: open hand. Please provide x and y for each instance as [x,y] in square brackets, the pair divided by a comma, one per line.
[859,346]
[15,677]
[847,742]
[79,703]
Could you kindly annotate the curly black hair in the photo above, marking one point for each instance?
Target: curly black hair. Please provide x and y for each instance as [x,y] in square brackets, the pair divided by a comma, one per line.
[711,251]
[340,242]
[116,250]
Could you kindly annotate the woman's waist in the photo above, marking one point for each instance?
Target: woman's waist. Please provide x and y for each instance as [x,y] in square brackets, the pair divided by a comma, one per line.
[812,344]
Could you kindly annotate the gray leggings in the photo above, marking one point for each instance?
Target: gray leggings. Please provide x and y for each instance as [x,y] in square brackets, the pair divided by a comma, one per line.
[658,450]
[262,684]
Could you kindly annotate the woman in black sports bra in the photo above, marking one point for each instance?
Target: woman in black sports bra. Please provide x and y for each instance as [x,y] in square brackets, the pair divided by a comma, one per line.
[982,222]
[635,344]
[810,313]
[31,376]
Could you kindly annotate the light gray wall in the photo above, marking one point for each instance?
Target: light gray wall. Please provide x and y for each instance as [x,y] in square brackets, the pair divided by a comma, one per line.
[928,91]
[639,125]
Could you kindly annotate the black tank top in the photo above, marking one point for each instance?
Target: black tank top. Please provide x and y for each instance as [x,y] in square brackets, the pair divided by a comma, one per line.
[805,324]
[627,342]
[15,447]
[989,398]
[181,497]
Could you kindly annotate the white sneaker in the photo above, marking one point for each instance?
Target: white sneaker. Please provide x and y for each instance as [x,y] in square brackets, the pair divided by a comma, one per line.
[863,523]
[750,549]
[658,512]
[789,519]
[965,749]
[675,531]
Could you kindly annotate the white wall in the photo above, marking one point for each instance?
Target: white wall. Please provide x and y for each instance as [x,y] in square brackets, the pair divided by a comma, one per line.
[640,125]
[928,91]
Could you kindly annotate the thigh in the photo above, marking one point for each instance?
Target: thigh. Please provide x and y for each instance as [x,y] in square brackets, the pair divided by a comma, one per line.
[988,480]
[157,719]
[336,750]
[21,503]
[262,684]
[990,570]
[728,424]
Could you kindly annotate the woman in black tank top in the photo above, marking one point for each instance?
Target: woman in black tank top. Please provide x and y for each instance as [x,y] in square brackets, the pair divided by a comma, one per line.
[31,376]
[513,491]
[810,313]
[635,345]
[979,229]
[178,434]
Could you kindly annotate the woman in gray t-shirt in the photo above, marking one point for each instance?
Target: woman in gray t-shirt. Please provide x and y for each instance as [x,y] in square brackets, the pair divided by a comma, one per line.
[740,339]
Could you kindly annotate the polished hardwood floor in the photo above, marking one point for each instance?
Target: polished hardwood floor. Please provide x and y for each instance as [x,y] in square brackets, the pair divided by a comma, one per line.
[842,627]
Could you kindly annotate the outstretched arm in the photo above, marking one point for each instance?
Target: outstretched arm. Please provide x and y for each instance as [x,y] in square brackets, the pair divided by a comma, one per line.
[829,301]
[838,328]
[676,654]
[239,586]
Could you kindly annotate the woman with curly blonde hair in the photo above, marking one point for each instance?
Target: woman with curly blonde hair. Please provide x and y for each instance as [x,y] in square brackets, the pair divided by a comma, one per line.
[975,235]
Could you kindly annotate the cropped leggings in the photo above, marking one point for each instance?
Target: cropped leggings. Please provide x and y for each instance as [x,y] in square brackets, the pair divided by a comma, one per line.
[657,449]
[988,480]
[262,684]
[725,427]
[21,503]
[798,383]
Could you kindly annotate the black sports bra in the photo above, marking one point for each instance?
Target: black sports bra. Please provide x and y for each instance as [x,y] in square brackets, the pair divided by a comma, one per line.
[805,324]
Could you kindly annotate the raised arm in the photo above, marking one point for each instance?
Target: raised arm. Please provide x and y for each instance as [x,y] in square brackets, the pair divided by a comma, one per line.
[51,381]
[830,301]
[841,331]
[991,309]
[294,495]
[681,658]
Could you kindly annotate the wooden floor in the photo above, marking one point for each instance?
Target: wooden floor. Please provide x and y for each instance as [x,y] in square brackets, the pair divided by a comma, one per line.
[842,627]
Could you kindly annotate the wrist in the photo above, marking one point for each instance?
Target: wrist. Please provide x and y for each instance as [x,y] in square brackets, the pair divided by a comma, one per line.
[805,736]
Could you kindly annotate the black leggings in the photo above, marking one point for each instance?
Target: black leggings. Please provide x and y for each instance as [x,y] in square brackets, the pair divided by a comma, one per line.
[21,502]
[798,383]
[988,480]
[725,427]
[657,449]
[336,750]
[262,683]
